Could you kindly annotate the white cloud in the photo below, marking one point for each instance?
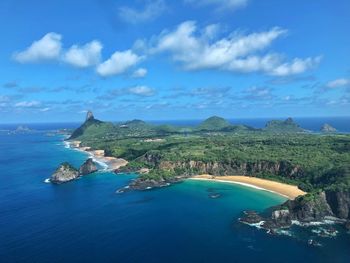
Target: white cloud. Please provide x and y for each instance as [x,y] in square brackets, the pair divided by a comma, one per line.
[151,10]
[297,66]
[221,5]
[84,56]
[46,48]
[44,109]
[139,73]
[236,52]
[118,63]
[142,91]
[27,104]
[342,82]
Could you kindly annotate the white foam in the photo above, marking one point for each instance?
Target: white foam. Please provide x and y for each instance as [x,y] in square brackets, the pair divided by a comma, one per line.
[284,232]
[101,163]
[104,165]
[257,225]
[314,223]
[47,181]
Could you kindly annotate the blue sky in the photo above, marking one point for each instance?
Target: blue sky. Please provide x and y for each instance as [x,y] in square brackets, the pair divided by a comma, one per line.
[162,59]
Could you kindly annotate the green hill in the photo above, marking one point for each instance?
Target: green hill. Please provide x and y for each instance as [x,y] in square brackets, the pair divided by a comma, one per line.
[286,126]
[214,123]
[92,127]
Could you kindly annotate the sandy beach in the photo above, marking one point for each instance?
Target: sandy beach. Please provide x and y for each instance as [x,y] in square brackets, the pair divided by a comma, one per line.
[286,190]
[110,163]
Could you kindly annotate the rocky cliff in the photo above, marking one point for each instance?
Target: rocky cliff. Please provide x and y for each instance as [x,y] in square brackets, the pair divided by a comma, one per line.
[64,173]
[306,209]
[89,121]
[192,167]
[87,167]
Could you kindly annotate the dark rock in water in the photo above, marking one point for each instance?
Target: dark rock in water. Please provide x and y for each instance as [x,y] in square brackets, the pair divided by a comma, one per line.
[147,184]
[64,173]
[139,184]
[87,167]
[251,217]
[328,128]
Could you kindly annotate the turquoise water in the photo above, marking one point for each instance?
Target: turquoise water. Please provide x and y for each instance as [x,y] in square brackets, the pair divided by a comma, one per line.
[86,221]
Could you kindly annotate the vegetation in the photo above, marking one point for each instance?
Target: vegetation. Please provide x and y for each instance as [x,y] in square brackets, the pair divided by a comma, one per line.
[287,126]
[282,151]
[214,124]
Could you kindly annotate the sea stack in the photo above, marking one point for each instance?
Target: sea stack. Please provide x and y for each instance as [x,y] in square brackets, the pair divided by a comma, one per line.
[64,173]
[328,128]
[88,167]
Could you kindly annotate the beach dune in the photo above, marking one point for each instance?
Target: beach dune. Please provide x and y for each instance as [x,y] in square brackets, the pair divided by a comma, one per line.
[286,190]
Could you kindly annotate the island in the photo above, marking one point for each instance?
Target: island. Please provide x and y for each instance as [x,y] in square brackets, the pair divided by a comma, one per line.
[313,167]
[66,172]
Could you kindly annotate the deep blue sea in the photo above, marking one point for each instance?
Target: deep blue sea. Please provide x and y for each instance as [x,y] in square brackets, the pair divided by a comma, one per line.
[86,221]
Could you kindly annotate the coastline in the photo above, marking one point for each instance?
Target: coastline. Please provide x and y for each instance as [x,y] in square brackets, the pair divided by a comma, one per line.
[285,190]
[107,162]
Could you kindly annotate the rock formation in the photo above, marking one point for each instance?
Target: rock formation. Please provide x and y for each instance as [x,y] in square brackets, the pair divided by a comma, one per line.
[64,173]
[326,128]
[306,209]
[193,167]
[87,167]
[89,115]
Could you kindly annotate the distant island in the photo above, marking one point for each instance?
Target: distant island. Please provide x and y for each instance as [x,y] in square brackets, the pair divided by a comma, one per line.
[316,165]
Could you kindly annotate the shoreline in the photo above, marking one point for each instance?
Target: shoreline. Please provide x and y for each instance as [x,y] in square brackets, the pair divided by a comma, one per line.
[288,191]
[107,162]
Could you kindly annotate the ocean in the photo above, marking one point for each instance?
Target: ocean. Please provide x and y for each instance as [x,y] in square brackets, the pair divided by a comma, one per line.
[86,221]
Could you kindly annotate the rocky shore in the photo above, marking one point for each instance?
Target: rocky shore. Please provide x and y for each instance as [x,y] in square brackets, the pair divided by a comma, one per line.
[111,163]
[322,207]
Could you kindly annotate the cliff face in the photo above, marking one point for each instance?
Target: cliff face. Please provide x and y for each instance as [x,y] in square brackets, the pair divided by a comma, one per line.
[339,202]
[64,173]
[282,168]
[306,209]
[87,167]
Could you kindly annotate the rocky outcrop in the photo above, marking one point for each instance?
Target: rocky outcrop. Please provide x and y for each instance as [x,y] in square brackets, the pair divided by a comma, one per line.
[147,184]
[88,167]
[193,167]
[89,121]
[326,128]
[64,173]
[89,115]
[306,209]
